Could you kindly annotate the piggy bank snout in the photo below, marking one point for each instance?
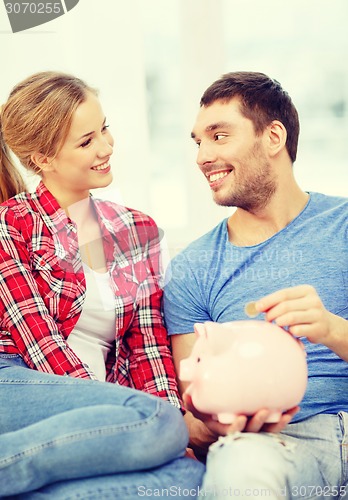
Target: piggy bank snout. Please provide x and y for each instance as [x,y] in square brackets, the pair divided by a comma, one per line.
[186,370]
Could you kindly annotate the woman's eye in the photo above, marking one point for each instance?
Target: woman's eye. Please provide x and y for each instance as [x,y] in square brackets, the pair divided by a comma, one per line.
[218,137]
[105,127]
[86,143]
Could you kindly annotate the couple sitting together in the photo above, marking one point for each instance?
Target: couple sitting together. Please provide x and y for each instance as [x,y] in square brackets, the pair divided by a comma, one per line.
[90,343]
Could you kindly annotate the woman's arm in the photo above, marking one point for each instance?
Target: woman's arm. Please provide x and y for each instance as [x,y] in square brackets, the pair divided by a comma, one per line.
[27,325]
[151,363]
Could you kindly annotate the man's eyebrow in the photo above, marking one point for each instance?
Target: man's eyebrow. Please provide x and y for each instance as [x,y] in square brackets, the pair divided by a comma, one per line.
[214,126]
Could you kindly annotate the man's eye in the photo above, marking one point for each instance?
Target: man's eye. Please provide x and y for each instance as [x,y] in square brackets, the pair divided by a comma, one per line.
[218,137]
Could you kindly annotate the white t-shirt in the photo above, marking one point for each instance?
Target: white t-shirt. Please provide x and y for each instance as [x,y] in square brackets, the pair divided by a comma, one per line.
[94,333]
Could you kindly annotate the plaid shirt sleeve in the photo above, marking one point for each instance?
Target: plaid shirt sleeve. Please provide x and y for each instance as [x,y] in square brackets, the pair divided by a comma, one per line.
[26,325]
[151,366]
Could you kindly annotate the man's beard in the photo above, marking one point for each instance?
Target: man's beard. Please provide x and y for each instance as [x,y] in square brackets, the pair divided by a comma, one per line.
[256,188]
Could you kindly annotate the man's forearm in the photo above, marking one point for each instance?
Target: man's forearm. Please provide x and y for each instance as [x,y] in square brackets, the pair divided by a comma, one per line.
[338,339]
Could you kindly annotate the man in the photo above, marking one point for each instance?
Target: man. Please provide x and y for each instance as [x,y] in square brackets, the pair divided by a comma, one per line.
[287,250]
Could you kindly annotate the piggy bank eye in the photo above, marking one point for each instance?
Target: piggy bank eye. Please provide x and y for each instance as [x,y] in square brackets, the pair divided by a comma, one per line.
[198,360]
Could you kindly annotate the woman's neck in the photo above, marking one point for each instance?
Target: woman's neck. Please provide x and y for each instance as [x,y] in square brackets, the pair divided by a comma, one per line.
[89,234]
[81,212]
[67,198]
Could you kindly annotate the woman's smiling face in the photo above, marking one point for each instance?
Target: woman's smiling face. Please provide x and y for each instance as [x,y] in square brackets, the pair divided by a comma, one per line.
[83,162]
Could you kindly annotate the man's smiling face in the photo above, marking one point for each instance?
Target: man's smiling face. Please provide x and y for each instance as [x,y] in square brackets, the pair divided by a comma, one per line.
[232,157]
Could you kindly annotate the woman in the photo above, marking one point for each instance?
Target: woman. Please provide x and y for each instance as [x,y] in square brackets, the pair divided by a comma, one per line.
[79,299]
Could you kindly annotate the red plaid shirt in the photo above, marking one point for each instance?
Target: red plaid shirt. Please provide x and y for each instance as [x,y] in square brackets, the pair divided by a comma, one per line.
[42,290]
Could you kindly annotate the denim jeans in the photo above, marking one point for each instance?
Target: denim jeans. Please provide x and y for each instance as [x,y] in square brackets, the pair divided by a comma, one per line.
[65,438]
[308,460]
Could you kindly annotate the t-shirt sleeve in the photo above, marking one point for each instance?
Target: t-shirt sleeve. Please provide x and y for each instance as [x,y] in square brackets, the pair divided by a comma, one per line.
[184,301]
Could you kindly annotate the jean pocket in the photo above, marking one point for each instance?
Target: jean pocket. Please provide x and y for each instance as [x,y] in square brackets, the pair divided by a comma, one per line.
[7,359]
[343,420]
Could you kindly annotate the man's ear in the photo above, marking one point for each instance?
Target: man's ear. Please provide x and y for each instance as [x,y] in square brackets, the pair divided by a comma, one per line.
[43,162]
[276,137]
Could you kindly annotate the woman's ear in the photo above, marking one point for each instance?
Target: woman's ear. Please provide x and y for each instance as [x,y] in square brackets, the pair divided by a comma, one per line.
[43,162]
[276,137]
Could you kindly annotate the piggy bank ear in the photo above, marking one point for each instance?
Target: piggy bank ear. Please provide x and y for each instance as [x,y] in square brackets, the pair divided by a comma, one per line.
[199,329]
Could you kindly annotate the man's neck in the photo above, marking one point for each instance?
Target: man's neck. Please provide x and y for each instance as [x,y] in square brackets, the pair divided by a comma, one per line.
[252,228]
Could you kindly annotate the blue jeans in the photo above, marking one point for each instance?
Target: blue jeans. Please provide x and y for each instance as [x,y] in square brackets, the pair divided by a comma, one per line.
[64,438]
[308,460]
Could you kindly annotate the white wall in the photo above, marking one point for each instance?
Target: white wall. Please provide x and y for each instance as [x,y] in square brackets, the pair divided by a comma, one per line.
[104,47]
[152,59]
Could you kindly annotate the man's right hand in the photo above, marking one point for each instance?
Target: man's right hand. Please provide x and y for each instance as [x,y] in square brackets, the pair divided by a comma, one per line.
[242,423]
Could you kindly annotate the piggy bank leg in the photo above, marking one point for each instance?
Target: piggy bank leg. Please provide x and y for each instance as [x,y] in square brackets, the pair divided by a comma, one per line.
[229,418]
[274,417]
[226,418]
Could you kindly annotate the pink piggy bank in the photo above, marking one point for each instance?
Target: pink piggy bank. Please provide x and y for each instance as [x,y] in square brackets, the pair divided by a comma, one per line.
[237,368]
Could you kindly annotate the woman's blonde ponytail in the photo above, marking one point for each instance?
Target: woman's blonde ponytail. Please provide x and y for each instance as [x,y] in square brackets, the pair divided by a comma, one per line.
[11,182]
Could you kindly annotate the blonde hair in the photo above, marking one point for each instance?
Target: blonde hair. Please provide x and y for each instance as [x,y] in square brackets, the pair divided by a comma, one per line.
[11,182]
[36,118]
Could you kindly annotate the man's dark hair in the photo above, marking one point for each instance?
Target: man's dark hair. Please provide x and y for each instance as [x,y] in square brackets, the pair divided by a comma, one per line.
[262,101]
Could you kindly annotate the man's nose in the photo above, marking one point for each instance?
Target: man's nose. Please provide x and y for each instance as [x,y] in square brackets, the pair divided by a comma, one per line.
[206,154]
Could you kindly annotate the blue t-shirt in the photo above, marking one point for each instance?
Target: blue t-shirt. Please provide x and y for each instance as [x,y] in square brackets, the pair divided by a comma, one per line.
[212,280]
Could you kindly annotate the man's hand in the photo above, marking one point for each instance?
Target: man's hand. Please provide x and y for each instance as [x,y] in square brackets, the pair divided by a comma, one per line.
[242,423]
[301,309]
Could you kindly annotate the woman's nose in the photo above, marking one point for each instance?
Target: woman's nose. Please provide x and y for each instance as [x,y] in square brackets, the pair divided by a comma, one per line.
[106,146]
